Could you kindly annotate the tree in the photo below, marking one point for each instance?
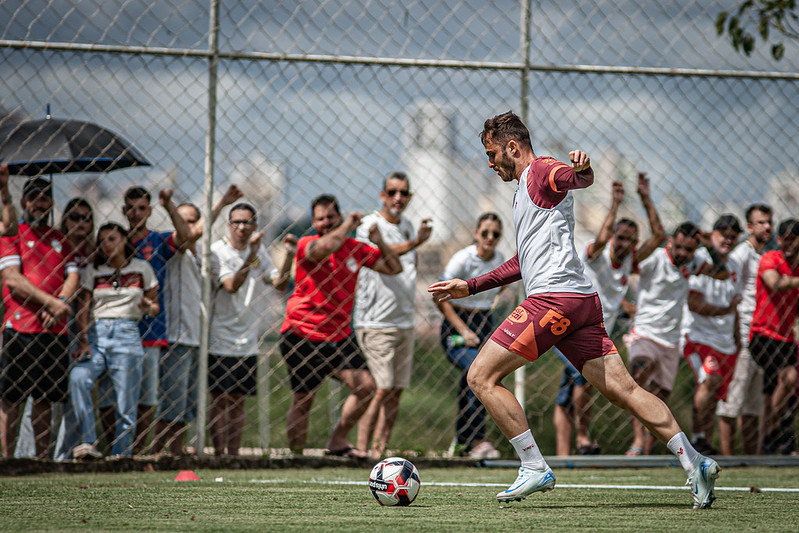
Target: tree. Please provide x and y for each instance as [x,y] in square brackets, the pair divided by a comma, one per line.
[767,15]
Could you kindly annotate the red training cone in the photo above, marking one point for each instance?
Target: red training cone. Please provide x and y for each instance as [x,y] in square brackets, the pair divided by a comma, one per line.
[187,475]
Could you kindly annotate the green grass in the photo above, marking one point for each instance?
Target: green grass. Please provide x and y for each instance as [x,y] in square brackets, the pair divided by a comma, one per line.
[299,500]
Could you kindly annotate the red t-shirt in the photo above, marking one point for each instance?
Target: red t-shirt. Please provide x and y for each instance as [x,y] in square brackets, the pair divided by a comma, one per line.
[775,312]
[44,256]
[320,307]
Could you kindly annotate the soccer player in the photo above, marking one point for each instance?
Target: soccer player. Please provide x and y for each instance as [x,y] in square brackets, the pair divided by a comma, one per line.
[562,309]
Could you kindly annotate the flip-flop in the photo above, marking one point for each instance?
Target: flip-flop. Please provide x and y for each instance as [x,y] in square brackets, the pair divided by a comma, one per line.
[350,451]
[589,449]
[633,451]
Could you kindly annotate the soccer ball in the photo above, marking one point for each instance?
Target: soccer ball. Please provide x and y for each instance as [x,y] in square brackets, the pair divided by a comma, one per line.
[394,481]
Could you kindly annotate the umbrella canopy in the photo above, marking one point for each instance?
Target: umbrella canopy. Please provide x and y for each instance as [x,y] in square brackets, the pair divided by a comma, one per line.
[52,146]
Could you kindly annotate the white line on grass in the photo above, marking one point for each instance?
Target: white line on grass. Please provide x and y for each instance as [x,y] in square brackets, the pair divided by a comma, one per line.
[560,485]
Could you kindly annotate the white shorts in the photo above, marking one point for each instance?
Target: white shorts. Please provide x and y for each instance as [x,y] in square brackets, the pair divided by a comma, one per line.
[745,393]
[389,354]
[665,359]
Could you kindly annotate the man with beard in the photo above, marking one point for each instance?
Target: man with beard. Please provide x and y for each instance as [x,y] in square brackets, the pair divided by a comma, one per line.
[712,339]
[39,277]
[772,340]
[562,309]
[316,339]
[744,400]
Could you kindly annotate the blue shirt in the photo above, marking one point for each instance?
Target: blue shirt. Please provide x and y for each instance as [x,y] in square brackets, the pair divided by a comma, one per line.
[156,248]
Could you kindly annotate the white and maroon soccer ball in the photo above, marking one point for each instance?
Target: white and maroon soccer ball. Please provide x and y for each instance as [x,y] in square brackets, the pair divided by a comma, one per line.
[394,481]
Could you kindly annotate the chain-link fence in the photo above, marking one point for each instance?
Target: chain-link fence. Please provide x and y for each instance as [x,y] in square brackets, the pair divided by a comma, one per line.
[290,100]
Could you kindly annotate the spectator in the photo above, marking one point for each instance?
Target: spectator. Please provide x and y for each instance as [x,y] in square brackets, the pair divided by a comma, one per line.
[39,277]
[240,301]
[609,262]
[471,320]
[117,289]
[177,371]
[712,338]
[8,219]
[772,340]
[745,393]
[156,248]
[384,313]
[653,343]
[316,339]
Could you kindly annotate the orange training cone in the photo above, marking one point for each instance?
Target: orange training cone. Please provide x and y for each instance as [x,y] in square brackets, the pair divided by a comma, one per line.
[187,475]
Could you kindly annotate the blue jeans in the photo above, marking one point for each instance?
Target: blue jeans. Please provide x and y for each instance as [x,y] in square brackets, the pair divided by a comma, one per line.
[571,377]
[470,422]
[117,349]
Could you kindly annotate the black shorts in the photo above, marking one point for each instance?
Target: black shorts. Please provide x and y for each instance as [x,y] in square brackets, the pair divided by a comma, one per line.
[34,364]
[233,375]
[772,356]
[310,362]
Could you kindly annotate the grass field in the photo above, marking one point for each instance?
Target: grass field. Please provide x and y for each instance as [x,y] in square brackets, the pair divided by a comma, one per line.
[337,499]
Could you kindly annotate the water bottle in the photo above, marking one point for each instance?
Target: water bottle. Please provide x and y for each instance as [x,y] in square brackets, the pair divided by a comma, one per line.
[455,341]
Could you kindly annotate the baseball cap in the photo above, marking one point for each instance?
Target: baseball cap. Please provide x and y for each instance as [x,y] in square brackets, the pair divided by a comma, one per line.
[36,185]
[727,221]
[790,225]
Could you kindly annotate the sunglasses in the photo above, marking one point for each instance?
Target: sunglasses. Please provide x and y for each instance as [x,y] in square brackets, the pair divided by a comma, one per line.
[484,234]
[235,223]
[77,217]
[402,192]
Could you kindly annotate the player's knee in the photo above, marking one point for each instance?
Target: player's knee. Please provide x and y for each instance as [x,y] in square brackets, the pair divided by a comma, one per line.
[477,380]
[788,376]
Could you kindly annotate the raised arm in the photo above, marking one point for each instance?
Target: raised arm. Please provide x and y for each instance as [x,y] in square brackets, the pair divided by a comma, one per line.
[281,281]
[8,224]
[657,234]
[234,282]
[389,262]
[596,247]
[182,233]
[422,234]
[331,241]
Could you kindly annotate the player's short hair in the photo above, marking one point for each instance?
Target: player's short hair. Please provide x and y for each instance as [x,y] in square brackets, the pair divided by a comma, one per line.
[135,193]
[397,175]
[728,221]
[790,225]
[490,215]
[189,204]
[687,229]
[763,208]
[506,127]
[625,222]
[324,200]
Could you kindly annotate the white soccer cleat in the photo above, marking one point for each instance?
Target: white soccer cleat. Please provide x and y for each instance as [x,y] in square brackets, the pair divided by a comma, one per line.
[528,482]
[702,482]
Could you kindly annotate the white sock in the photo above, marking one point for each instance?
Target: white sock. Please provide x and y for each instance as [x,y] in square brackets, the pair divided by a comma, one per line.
[685,452]
[528,451]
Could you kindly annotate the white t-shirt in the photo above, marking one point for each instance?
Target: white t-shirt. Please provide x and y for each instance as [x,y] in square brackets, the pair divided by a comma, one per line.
[237,316]
[718,332]
[610,282]
[383,301]
[662,293]
[748,260]
[465,264]
[117,293]
[183,298]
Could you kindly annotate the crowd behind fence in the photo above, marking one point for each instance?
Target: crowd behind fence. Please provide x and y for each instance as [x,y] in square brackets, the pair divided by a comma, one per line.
[290,100]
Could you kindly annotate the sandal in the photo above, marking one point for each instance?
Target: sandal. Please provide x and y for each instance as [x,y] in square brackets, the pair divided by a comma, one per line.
[633,451]
[350,451]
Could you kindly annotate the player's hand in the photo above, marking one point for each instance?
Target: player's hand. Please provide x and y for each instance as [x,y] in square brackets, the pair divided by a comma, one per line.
[165,197]
[54,310]
[353,221]
[255,241]
[232,194]
[734,303]
[145,305]
[82,352]
[643,185]
[470,339]
[449,290]
[290,242]
[617,192]
[425,229]
[579,160]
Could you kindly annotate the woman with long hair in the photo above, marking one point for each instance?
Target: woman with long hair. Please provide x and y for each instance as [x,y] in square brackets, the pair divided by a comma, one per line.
[117,289]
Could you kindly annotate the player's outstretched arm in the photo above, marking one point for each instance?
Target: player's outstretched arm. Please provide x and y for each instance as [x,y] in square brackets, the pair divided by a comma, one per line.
[595,248]
[448,290]
[657,233]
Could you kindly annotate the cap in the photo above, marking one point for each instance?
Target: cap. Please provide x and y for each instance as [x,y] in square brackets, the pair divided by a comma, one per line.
[727,222]
[36,185]
[790,225]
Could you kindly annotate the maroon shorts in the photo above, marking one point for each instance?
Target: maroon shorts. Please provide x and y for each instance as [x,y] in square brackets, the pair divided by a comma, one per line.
[570,322]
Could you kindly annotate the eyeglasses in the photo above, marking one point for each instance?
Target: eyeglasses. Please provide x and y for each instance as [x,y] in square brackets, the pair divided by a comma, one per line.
[239,223]
[484,234]
[402,192]
[77,217]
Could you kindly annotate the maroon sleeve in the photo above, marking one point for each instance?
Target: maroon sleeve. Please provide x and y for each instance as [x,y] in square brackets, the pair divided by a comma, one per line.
[549,180]
[507,272]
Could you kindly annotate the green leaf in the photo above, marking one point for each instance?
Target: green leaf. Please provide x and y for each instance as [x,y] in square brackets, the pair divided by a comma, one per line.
[720,20]
[777,51]
[748,44]
[763,28]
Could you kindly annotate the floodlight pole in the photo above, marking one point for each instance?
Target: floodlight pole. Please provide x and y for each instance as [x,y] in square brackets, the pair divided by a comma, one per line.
[205,307]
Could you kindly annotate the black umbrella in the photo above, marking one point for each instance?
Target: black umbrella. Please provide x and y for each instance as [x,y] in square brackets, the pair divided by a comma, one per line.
[52,146]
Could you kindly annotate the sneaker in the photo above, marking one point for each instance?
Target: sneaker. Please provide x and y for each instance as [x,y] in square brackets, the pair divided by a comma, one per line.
[528,482]
[702,482]
[86,451]
[484,450]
